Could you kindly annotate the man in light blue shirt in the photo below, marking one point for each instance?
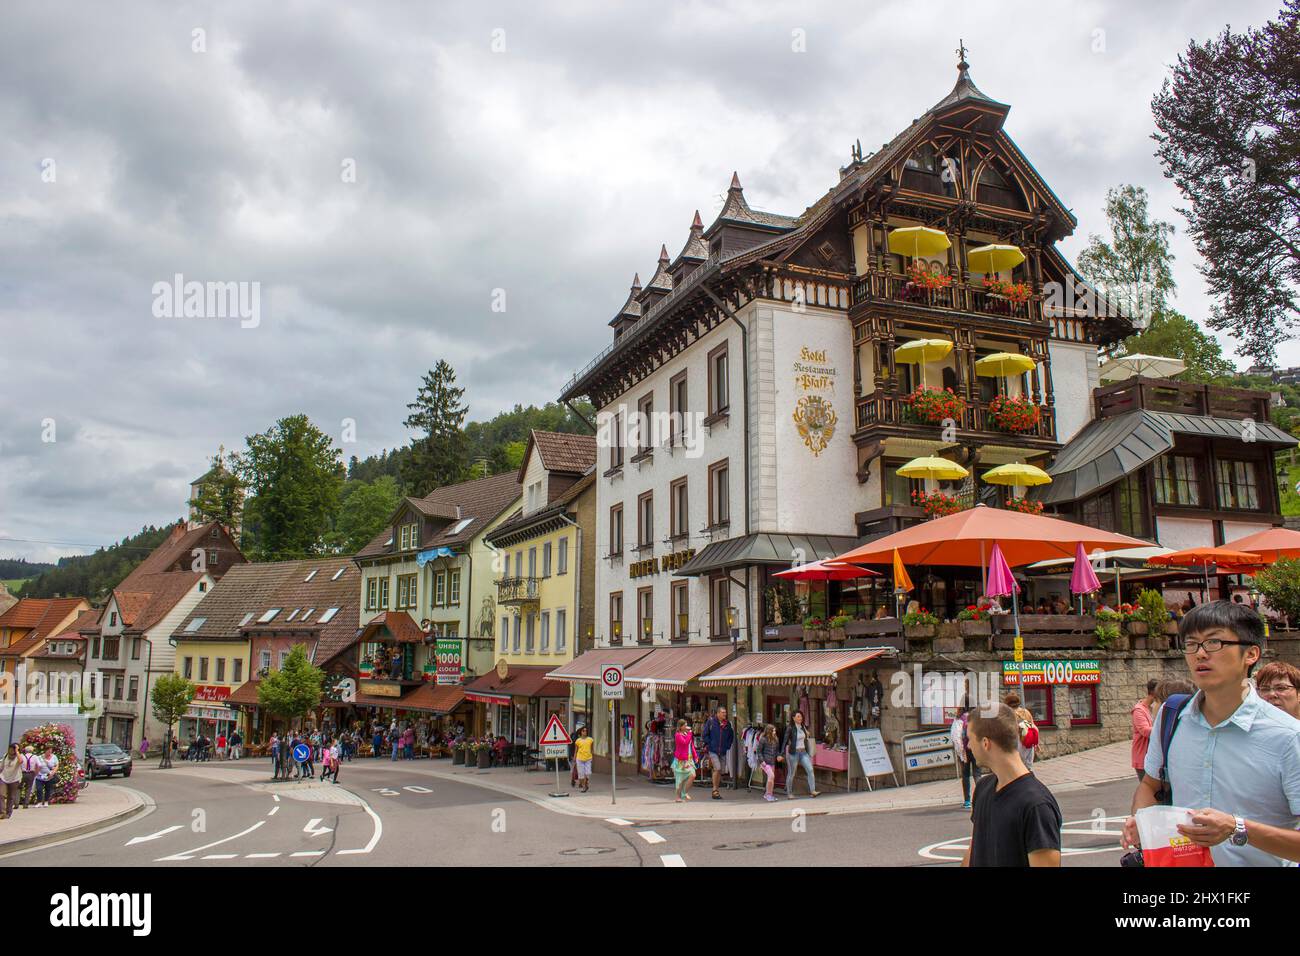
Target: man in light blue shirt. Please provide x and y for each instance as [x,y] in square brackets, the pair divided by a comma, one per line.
[1234,759]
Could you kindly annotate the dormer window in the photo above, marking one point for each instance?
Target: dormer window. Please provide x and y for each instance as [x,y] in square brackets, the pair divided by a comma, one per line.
[409,536]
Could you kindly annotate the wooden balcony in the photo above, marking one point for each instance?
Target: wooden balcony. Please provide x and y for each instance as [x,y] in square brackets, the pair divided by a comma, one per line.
[514,592]
[1183,398]
[966,297]
[884,412]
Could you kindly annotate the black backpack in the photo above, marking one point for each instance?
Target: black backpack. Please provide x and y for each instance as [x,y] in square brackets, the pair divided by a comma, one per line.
[1169,714]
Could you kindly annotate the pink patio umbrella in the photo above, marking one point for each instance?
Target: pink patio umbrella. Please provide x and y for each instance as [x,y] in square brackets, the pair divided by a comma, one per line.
[1084,579]
[1002,583]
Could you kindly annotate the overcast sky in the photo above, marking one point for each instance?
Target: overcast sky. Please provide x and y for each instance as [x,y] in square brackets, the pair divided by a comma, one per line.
[379,170]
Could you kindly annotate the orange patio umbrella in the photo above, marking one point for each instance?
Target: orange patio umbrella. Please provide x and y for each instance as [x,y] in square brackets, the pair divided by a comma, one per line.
[965,538]
[1224,559]
[1269,545]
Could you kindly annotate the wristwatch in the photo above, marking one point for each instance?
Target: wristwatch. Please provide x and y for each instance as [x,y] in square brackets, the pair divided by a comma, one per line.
[1238,837]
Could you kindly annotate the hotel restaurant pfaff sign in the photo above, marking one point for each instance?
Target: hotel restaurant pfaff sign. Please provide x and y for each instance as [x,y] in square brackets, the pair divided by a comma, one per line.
[667,562]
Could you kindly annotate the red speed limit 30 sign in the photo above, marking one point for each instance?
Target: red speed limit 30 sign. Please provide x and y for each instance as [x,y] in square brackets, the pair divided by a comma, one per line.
[611,682]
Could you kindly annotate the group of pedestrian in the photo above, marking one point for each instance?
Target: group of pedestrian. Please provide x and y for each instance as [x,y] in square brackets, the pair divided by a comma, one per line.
[27,778]
[1222,745]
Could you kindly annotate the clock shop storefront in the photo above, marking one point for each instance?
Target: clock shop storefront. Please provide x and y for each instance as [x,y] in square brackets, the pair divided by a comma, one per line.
[519,700]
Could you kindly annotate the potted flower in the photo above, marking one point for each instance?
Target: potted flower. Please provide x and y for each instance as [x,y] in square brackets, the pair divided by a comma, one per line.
[934,406]
[837,624]
[483,749]
[1011,291]
[1109,633]
[922,277]
[1015,414]
[920,623]
[975,620]
[936,504]
[814,631]
[458,752]
[1025,506]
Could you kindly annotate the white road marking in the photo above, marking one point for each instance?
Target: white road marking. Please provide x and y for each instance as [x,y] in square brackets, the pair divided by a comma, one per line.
[315,830]
[277,797]
[261,856]
[673,859]
[189,854]
[220,856]
[618,821]
[152,836]
[374,839]
[274,811]
[414,789]
[650,836]
[308,853]
[942,850]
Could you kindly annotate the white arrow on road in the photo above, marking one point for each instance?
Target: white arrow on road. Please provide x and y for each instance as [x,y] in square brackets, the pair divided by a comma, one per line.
[152,836]
[314,830]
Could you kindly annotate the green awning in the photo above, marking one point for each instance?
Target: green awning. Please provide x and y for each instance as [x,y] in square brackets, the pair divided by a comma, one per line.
[765,548]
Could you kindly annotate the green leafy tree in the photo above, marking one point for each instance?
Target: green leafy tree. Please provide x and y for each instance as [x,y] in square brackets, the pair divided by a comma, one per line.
[439,454]
[364,512]
[221,493]
[1227,121]
[1133,266]
[294,475]
[293,691]
[170,700]
[1280,585]
[1175,335]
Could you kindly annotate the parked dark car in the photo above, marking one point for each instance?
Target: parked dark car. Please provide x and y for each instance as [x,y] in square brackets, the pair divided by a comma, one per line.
[104,760]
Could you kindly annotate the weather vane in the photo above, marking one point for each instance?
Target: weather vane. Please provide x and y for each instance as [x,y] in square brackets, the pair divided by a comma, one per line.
[961,55]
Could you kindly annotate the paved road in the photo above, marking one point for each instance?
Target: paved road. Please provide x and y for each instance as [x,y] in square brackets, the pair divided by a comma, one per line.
[232,815]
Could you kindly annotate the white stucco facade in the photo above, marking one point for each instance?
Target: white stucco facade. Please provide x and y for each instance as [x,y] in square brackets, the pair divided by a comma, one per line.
[1075,373]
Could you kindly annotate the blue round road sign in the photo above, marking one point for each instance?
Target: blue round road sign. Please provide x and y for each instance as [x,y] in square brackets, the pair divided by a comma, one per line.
[301,753]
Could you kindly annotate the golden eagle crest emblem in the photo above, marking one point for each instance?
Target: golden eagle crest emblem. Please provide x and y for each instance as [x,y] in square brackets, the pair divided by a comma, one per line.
[815,419]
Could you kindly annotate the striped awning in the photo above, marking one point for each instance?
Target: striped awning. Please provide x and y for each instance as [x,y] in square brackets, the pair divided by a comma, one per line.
[586,668]
[787,668]
[675,667]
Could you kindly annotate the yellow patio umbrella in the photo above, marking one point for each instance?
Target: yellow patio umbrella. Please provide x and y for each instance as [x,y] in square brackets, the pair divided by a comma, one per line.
[993,258]
[920,351]
[916,241]
[1017,474]
[939,469]
[1001,364]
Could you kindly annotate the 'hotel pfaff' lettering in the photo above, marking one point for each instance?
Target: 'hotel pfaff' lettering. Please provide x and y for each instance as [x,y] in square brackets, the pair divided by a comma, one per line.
[668,562]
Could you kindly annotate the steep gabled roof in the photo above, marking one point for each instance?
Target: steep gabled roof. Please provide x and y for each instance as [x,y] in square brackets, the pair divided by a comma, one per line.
[738,212]
[631,310]
[175,551]
[562,452]
[151,597]
[42,615]
[661,281]
[696,249]
[481,501]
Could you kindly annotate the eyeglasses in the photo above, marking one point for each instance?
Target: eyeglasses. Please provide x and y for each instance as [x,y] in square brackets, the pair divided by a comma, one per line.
[1212,646]
[1275,688]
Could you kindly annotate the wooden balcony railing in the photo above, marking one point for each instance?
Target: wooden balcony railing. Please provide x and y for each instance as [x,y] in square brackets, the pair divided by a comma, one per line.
[958,297]
[886,407]
[1184,398]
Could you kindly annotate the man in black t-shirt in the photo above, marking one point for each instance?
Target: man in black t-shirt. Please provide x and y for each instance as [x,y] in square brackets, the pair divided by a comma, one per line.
[1016,821]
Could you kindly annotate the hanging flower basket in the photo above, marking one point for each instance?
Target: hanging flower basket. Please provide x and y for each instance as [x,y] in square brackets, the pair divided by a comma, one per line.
[926,279]
[1013,413]
[934,406]
[936,503]
[1011,291]
[1025,506]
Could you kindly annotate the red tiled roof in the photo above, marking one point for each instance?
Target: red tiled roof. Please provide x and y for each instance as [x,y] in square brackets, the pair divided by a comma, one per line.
[42,615]
[480,502]
[177,549]
[562,451]
[151,597]
[245,693]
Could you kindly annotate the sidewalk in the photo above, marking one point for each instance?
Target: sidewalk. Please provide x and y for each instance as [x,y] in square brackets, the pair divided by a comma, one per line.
[639,800]
[97,807]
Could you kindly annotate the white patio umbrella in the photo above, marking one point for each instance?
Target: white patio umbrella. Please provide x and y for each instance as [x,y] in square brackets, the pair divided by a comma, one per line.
[1127,366]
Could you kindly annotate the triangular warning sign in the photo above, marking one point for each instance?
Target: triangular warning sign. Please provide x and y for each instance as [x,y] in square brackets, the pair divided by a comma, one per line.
[555,732]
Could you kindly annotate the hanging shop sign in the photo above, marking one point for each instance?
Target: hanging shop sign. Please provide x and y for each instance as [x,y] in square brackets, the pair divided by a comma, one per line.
[667,562]
[211,692]
[1031,673]
[450,655]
